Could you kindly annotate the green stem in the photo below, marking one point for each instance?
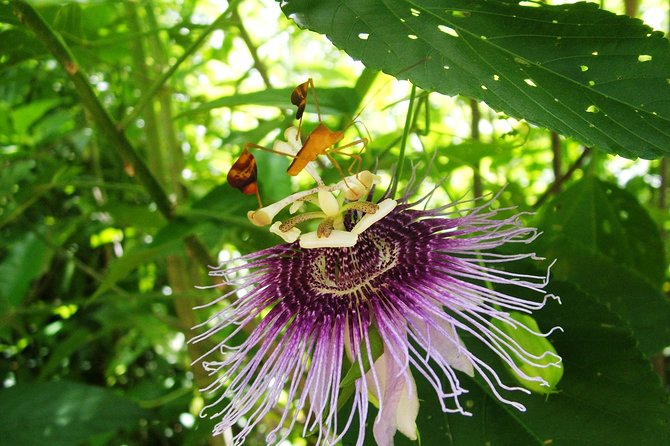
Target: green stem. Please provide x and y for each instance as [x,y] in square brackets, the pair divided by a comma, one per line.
[57,47]
[158,84]
[138,55]
[403,142]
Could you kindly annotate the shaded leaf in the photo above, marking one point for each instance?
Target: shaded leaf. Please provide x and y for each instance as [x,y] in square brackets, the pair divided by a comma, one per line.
[578,70]
[61,413]
[24,262]
[604,399]
[607,245]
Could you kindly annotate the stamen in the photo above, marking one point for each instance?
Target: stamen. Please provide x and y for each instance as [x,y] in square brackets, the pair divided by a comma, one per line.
[385,207]
[265,215]
[363,206]
[293,221]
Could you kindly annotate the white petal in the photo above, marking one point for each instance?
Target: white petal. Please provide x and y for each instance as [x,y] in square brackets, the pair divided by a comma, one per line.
[289,236]
[399,404]
[284,147]
[446,343]
[408,410]
[328,203]
[385,207]
[336,239]
[291,135]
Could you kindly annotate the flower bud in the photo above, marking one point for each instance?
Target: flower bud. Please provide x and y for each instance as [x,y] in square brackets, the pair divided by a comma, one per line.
[546,365]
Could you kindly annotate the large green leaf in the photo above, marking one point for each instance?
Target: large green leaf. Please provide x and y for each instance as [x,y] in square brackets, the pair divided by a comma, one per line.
[61,413]
[606,244]
[609,396]
[578,70]
[610,221]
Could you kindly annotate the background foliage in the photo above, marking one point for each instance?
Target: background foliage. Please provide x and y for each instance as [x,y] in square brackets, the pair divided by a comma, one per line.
[119,121]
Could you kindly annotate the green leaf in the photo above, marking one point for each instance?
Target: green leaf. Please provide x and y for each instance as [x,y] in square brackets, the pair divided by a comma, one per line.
[578,70]
[605,243]
[61,413]
[168,241]
[25,261]
[610,221]
[24,117]
[609,396]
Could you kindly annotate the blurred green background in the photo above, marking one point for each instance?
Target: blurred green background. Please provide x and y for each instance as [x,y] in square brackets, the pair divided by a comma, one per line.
[113,201]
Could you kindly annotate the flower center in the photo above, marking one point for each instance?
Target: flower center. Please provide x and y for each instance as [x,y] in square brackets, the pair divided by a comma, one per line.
[349,271]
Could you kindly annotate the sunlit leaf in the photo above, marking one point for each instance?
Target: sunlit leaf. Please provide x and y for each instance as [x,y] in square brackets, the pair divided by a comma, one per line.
[575,69]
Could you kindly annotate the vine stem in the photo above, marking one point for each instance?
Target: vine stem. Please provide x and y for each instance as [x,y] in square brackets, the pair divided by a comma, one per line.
[403,142]
[562,179]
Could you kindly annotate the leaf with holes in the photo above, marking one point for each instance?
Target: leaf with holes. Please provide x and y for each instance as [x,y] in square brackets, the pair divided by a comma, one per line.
[578,70]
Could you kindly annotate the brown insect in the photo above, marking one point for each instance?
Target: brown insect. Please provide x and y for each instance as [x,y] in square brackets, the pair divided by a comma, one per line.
[242,175]
[321,141]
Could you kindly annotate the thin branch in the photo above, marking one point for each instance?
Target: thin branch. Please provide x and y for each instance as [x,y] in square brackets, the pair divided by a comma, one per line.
[258,63]
[559,181]
[476,116]
[556,151]
[57,47]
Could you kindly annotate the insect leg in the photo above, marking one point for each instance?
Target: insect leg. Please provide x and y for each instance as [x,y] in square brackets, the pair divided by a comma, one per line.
[357,160]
